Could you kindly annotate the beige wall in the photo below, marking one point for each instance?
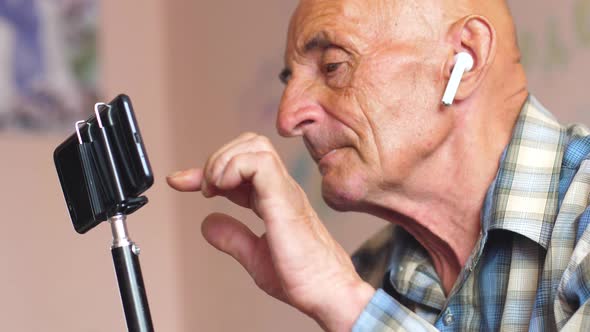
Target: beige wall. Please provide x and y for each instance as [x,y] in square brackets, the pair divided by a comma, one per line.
[51,278]
[199,73]
[554,37]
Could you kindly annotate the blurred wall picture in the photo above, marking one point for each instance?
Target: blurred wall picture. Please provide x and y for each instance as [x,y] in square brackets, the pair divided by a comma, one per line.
[48,63]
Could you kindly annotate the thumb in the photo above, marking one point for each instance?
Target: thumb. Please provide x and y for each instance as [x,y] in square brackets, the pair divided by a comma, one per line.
[230,236]
[187,180]
[252,252]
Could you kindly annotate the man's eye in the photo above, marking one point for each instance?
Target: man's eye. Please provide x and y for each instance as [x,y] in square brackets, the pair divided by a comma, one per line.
[285,75]
[332,67]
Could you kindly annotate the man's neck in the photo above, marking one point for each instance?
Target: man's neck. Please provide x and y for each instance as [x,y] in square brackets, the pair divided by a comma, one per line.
[442,202]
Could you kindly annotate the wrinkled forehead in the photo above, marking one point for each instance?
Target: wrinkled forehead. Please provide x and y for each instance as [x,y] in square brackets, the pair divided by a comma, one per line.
[363,20]
[309,11]
[313,16]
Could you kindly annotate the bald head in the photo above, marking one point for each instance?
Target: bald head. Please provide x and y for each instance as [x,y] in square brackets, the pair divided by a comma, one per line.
[417,19]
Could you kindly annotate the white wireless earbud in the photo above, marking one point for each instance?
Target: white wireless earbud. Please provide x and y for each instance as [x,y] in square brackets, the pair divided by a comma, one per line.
[463,63]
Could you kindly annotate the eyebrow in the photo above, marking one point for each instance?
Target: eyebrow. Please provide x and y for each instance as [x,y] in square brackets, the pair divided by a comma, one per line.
[319,41]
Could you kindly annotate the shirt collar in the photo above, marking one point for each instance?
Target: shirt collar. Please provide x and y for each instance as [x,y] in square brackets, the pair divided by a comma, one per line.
[524,196]
[412,273]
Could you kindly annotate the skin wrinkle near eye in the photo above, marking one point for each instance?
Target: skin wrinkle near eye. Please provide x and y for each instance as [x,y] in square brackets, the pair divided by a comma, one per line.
[325,42]
[306,33]
[349,14]
[360,134]
[340,60]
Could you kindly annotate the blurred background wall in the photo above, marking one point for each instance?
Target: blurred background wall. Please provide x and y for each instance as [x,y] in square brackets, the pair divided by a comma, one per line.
[199,74]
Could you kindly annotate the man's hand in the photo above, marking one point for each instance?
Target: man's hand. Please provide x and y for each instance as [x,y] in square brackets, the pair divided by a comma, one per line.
[296,261]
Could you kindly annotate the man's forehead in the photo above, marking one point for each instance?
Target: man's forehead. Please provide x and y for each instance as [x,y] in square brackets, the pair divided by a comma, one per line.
[365,19]
[314,17]
[345,7]
[369,9]
[311,12]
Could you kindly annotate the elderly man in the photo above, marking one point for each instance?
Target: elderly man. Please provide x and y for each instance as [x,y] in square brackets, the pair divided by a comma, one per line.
[487,197]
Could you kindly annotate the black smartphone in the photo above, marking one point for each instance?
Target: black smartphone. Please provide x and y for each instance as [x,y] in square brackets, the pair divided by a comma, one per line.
[127,153]
[126,145]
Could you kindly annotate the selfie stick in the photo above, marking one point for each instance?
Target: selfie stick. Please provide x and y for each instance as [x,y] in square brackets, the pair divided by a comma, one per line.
[126,260]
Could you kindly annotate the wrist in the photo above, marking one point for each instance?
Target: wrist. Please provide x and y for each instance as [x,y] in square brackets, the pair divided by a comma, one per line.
[345,307]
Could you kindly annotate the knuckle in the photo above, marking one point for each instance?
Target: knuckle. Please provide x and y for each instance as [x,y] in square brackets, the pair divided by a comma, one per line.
[267,157]
[263,142]
[248,134]
[233,162]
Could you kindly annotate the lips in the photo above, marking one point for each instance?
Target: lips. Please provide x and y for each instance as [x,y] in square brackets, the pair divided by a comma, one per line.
[324,155]
[329,153]
[319,152]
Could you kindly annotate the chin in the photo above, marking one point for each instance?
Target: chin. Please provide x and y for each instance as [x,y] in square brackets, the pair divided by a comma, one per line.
[343,193]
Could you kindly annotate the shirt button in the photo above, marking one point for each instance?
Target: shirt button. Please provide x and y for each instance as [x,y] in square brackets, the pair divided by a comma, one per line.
[448,319]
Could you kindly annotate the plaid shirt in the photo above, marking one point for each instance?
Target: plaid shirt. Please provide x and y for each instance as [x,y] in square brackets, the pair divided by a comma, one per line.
[529,270]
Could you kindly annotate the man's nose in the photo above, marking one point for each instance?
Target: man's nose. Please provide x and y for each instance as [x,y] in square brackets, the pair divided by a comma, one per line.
[299,109]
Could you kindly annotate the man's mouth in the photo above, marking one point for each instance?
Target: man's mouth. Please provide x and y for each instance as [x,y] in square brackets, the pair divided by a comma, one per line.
[317,153]
[327,154]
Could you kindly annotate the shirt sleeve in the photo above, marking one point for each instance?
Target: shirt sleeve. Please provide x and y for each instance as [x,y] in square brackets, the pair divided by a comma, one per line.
[384,313]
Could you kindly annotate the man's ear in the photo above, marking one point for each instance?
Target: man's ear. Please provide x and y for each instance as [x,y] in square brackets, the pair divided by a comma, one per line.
[475,35]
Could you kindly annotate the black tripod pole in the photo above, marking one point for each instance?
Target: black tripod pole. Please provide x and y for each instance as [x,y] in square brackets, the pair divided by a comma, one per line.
[133,295]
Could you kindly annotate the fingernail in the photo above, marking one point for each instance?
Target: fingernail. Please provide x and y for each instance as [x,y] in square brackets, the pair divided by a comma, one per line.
[177,174]
[204,188]
[207,189]
[218,181]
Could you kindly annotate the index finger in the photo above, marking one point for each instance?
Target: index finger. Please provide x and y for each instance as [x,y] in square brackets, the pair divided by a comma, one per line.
[187,180]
